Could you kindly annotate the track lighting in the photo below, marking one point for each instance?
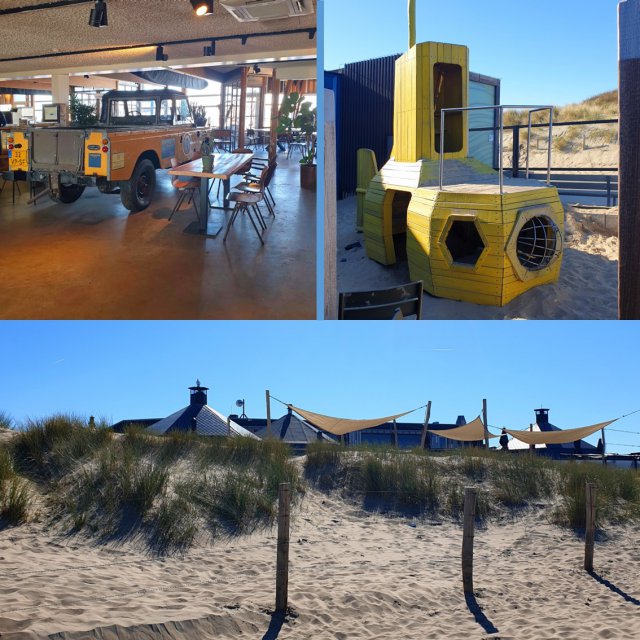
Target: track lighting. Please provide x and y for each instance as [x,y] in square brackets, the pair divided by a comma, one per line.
[161,56]
[209,51]
[202,7]
[98,15]
[256,69]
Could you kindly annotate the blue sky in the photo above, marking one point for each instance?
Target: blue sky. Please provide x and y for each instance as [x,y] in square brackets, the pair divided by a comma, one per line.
[547,52]
[585,372]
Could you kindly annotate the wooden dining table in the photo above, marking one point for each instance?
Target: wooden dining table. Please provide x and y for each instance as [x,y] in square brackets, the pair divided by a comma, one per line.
[224,166]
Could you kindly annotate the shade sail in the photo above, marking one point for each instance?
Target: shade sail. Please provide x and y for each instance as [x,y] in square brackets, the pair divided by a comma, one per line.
[342,426]
[469,432]
[557,437]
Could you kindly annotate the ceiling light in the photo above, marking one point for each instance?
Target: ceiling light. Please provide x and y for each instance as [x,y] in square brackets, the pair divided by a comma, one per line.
[202,7]
[98,15]
[161,56]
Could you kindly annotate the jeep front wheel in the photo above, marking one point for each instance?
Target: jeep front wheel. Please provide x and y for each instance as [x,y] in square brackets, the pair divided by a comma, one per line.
[136,194]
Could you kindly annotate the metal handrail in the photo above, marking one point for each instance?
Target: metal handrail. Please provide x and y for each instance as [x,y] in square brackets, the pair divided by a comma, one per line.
[501,108]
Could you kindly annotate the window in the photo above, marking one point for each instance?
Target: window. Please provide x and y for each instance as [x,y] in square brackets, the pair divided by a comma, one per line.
[166,111]
[183,114]
[133,111]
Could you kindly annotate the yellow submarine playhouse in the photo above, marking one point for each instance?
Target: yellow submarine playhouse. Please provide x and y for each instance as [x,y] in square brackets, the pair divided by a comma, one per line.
[471,233]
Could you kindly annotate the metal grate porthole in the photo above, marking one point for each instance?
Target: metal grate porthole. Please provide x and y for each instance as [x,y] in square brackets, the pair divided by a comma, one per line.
[539,243]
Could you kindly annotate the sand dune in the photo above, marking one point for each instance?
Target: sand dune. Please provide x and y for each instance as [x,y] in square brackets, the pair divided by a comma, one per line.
[354,574]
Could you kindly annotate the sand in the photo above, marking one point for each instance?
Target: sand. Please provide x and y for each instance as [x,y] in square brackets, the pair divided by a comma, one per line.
[354,574]
[587,288]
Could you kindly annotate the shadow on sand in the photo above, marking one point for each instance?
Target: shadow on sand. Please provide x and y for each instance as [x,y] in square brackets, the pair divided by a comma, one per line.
[277,620]
[612,587]
[478,614]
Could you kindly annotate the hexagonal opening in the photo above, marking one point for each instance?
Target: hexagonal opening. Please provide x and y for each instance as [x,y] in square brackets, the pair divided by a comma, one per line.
[538,243]
[464,242]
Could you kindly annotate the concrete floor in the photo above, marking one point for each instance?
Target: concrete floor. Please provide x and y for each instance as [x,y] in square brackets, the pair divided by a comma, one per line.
[94,260]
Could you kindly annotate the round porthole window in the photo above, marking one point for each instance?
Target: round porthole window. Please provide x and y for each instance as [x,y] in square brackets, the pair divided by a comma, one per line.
[539,243]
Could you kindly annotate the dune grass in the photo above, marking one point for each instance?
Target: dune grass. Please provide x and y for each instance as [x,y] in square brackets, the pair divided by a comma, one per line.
[6,421]
[163,490]
[409,482]
[15,496]
[617,494]
[50,447]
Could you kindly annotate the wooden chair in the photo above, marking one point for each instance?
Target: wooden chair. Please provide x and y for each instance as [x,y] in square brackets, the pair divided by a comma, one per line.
[394,303]
[187,188]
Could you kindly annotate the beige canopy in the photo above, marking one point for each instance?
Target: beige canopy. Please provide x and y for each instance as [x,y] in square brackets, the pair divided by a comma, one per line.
[342,426]
[557,437]
[469,432]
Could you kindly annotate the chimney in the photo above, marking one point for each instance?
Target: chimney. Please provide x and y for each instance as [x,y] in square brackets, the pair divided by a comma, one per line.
[198,394]
[542,417]
[461,421]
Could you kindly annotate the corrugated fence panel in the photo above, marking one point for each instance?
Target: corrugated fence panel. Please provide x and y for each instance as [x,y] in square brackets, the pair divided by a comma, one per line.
[366,115]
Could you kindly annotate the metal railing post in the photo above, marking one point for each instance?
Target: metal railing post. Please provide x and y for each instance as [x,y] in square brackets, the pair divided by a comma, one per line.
[549,150]
[441,148]
[500,148]
[515,160]
[528,143]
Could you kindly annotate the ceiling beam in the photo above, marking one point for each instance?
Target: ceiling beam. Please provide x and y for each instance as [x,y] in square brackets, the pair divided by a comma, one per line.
[165,43]
[267,58]
[43,6]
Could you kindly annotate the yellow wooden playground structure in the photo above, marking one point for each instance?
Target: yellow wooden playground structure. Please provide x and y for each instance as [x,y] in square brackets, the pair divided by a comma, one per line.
[470,233]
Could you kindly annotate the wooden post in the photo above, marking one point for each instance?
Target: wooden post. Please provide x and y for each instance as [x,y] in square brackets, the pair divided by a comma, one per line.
[470,495]
[228,426]
[412,23]
[282,568]
[268,413]
[275,112]
[484,420]
[629,163]
[604,459]
[590,527]
[243,107]
[395,434]
[425,426]
[330,210]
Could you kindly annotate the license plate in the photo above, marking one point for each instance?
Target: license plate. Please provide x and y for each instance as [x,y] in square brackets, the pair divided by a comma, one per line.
[19,159]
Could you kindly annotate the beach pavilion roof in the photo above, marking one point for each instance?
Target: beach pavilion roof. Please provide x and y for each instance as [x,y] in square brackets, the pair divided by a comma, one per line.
[291,429]
[200,418]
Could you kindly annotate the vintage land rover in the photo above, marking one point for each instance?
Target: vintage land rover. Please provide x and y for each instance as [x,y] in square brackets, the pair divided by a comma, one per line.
[138,132]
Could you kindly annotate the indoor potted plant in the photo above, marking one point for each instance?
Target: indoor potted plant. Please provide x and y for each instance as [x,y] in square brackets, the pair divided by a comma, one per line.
[199,113]
[296,113]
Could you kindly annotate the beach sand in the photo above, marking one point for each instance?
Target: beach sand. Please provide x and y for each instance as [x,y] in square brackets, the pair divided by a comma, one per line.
[587,288]
[353,574]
